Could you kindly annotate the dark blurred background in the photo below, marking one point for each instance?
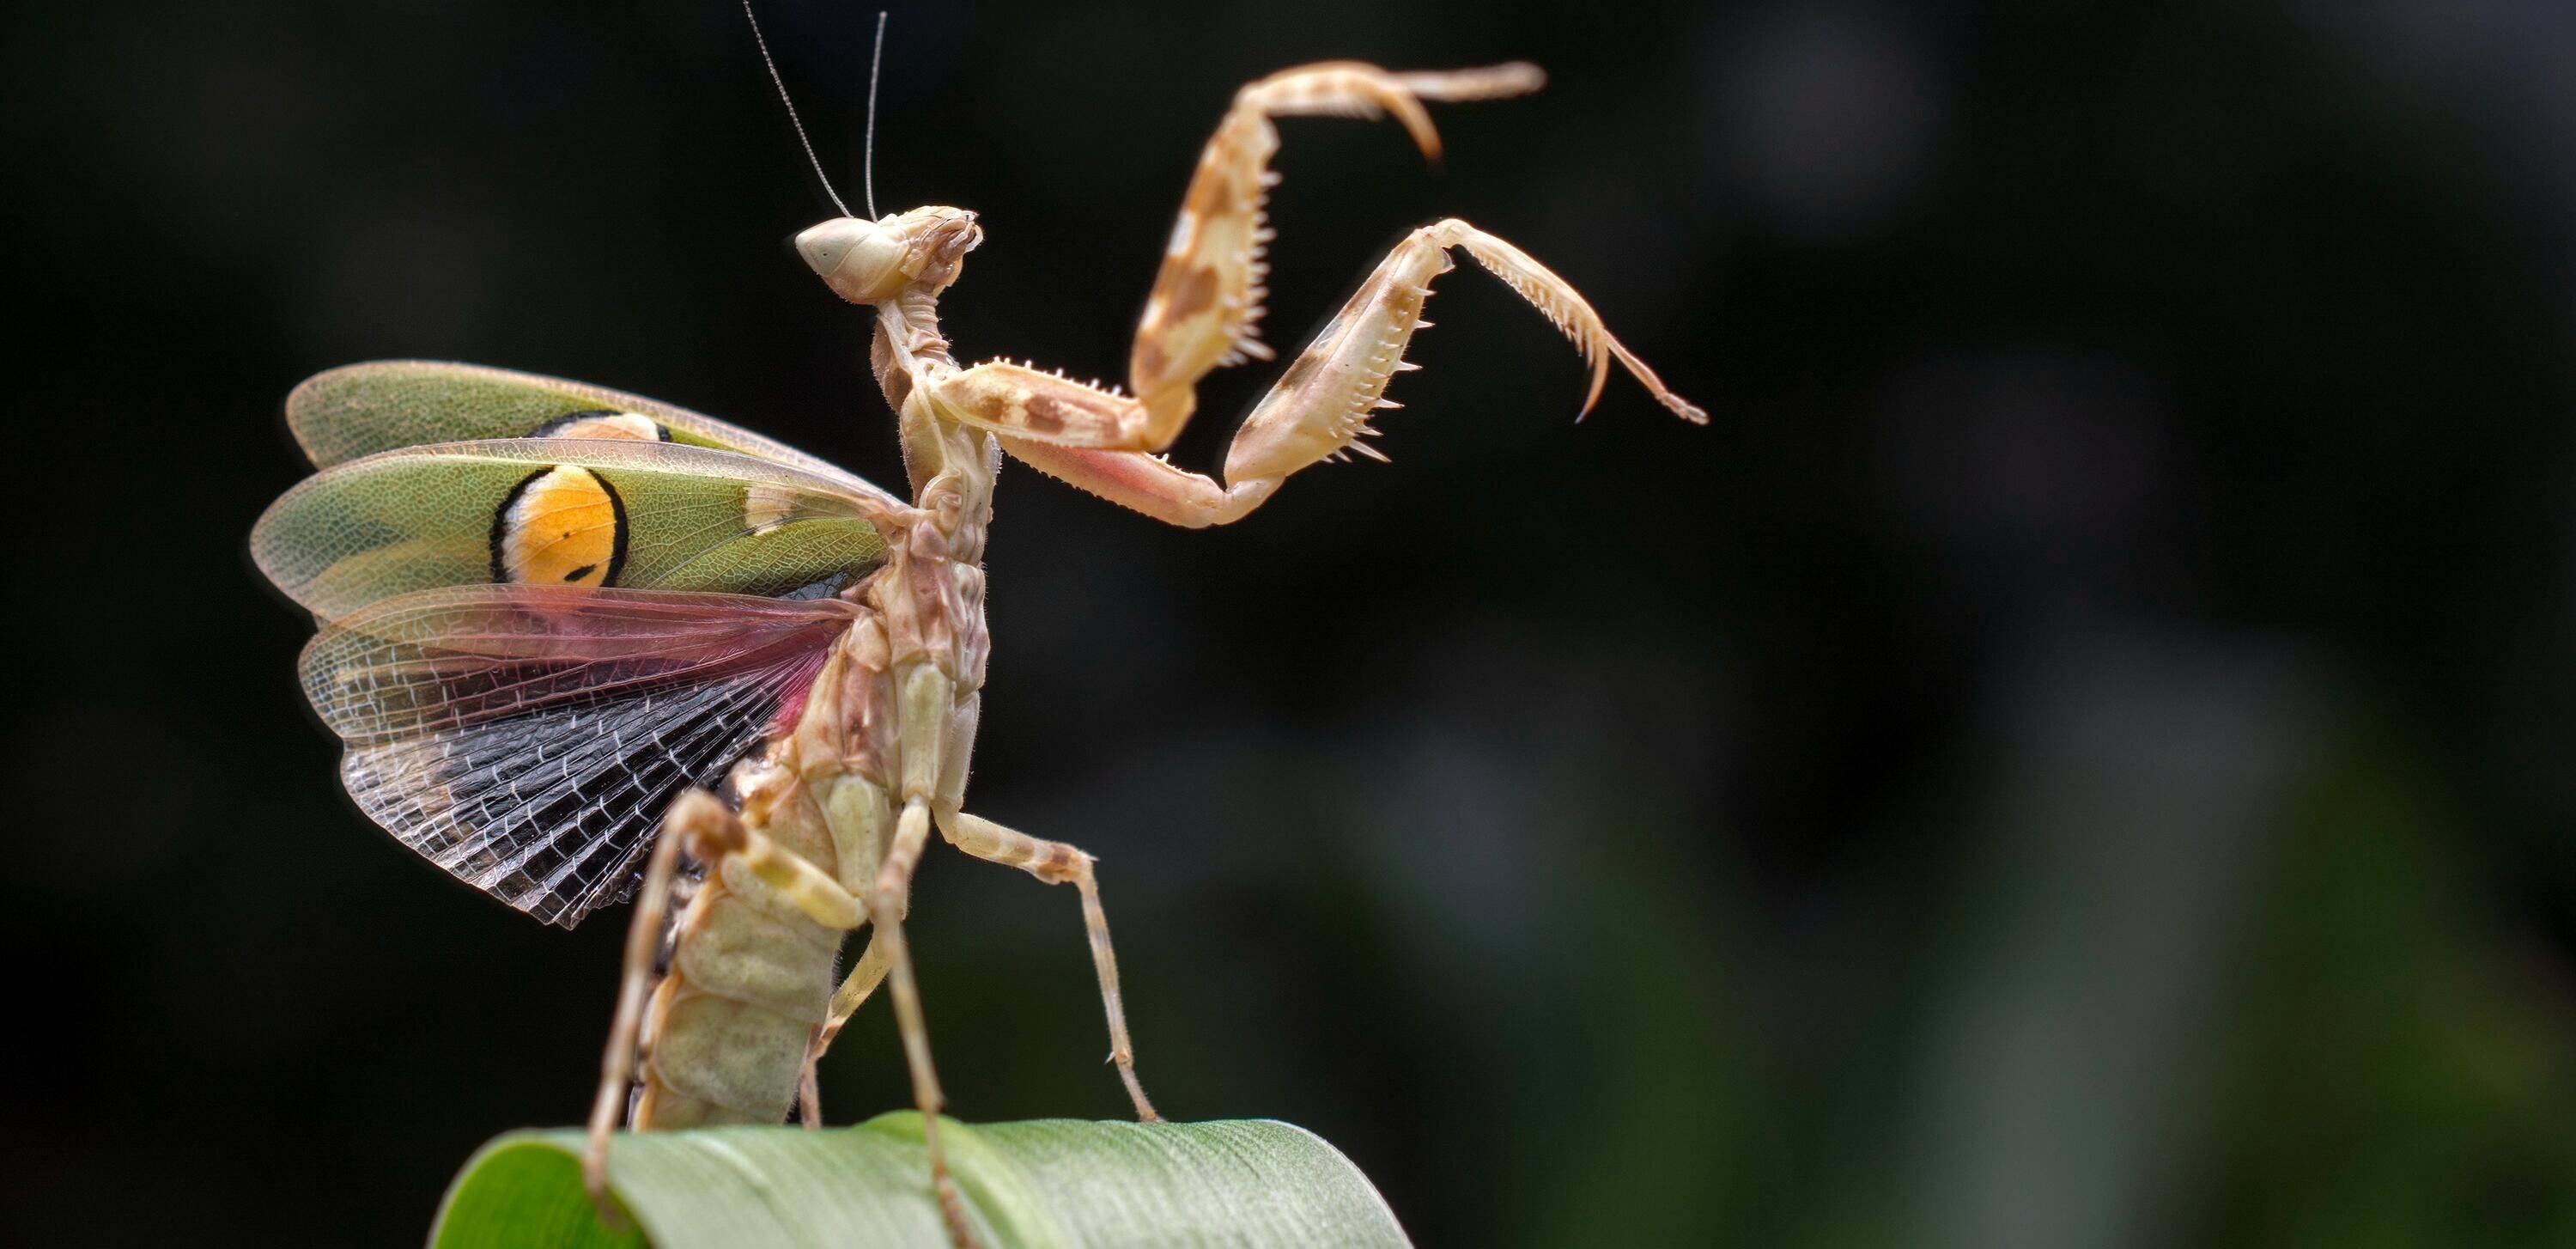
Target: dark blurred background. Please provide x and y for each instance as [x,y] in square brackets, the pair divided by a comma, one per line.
[2074,756]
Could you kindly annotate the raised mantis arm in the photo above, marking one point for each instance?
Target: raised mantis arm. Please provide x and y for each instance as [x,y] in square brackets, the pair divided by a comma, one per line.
[1206,305]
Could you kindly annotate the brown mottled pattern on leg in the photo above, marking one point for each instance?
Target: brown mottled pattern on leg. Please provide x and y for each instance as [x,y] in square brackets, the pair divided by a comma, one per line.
[1016,399]
[1206,305]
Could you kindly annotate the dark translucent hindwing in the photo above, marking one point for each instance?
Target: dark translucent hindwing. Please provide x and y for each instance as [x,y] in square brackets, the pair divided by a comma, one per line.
[527,738]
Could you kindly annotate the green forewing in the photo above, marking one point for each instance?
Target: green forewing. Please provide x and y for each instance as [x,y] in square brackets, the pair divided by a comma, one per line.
[695,519]
[362,409]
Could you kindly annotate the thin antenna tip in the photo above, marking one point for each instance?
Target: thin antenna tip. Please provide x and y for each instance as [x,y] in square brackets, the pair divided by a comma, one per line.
[868,154]
[792,119]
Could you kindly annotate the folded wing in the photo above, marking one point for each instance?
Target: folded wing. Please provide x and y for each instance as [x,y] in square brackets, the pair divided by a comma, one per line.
[579,512]
[361,409]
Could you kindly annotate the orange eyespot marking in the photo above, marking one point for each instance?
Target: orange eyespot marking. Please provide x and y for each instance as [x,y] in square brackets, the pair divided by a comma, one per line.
[559,526]
[603,423]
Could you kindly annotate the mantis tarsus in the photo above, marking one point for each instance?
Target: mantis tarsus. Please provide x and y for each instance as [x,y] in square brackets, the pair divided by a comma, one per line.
[551,611]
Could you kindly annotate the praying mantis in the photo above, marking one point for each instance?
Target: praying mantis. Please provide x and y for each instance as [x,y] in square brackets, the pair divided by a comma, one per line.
[582,645]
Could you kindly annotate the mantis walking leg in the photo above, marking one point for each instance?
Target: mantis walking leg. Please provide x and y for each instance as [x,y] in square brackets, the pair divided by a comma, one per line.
[617,1065]
[864,977]
[1056,863]
[1051,861]
[886,906]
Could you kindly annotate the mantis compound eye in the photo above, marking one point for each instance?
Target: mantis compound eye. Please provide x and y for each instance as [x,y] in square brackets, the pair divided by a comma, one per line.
[859,259]
[937,238]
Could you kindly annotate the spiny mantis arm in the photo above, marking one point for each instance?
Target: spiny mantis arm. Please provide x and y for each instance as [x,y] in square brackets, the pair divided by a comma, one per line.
[1321,406]
[1206,304]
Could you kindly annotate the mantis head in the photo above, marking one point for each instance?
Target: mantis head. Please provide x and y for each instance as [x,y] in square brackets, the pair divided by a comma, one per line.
[866,262]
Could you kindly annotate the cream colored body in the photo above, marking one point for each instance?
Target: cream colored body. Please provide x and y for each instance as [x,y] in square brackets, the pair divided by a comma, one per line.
[834,814]
[891,723]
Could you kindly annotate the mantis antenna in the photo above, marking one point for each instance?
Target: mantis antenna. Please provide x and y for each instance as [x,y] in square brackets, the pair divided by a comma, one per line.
[868,154]
[798,122]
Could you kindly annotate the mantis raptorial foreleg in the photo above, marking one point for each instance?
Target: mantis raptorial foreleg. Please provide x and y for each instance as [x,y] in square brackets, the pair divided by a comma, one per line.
[1205,307]
[1056,863]
[1206,303]
[1321,405]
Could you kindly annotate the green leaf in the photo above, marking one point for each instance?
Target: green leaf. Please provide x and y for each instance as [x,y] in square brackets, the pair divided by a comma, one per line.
[1040,1184]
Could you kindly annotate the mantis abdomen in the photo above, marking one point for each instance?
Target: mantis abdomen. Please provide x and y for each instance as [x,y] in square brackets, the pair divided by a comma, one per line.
[748,988]
[728,1028]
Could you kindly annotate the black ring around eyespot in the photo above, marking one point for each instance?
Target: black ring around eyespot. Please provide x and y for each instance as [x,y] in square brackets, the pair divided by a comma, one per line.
[617,512]
[501,524]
